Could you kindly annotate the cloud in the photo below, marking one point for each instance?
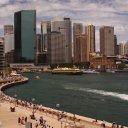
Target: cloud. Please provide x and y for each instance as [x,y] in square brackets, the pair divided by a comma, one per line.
[2,2]
[96,12]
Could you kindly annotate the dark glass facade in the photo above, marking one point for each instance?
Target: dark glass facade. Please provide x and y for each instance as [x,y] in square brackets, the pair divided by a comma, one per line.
[25,35]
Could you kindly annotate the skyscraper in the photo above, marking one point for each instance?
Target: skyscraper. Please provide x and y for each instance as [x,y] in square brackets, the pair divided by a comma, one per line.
[107,40]
[56,51]
[80,52]
[116,46]
[65,28]
[8,29]
[25,35]
[121,49]
[90,32]
[45,30]
[77,29]
[8,42]
[2,59]
[126,48]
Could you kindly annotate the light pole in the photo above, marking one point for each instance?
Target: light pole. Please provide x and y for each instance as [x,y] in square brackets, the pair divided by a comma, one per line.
[15,95]
[15,100]
[60,117]
[33,99]
[57,105]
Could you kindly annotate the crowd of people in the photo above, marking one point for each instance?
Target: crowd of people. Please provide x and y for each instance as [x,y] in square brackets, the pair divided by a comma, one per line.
[9,78]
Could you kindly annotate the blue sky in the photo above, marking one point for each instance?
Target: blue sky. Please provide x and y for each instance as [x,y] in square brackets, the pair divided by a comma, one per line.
[96,12]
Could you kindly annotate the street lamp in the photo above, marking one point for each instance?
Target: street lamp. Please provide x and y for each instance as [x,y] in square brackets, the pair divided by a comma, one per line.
[57,105]
[15,100]
[60,117]
[33,99]
[15,95]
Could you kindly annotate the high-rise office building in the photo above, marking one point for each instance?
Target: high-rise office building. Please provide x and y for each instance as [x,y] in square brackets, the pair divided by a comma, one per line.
[9,58]
[80,52]
[38,47]
[38,44]
[77,29]
[9,48]
[56,48]
[90,32]
[66,29]
[107,40]
[121,49]
[116,46]
[126,48]
[8,42]
[45,31]
[2,58]
[41,57]
[8,29]
[25,35]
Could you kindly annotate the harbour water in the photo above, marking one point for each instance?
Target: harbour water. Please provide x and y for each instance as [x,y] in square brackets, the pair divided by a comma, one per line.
[102,96]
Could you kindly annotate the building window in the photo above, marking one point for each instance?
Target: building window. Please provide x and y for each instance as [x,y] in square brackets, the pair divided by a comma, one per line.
[109,31]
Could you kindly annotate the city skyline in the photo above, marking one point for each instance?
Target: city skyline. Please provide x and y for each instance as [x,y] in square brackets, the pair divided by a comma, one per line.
[97,12]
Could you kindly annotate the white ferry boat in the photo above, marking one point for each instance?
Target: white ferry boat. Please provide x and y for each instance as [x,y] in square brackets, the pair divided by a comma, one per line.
[70,71]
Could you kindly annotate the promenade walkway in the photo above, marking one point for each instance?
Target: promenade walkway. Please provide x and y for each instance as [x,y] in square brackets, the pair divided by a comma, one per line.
[9,119]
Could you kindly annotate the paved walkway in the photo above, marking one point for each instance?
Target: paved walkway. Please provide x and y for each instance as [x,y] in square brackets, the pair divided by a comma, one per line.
[10,119]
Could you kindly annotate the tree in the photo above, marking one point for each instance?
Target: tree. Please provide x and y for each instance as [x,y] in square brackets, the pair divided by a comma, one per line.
[121,66]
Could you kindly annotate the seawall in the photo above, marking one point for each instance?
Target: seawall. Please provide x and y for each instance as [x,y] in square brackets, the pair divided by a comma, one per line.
[9,84]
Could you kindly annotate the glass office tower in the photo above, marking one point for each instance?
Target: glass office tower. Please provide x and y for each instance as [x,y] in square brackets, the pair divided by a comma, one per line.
[25,35]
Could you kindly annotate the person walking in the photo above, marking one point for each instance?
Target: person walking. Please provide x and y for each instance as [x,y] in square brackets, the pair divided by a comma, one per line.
[22,120]
[36,124]
[19,120]
[25,119]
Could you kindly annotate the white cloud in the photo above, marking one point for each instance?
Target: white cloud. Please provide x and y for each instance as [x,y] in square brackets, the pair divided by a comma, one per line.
[97,12]
[4,2]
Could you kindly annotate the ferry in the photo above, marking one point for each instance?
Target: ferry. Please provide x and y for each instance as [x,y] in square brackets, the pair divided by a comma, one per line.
[68,71]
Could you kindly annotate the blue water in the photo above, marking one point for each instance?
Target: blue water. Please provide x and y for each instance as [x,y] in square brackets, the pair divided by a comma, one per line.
[102,96]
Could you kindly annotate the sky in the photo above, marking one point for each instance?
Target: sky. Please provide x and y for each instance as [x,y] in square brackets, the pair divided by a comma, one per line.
[97,12]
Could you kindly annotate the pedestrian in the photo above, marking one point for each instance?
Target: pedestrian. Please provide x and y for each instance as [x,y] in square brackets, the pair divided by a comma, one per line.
[22,120]
[41,120]
[36,124]
[25,119]
[19,120]
[44,124]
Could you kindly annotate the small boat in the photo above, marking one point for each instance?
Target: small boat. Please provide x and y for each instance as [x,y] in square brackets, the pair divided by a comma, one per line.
[110,71]
[14,73]
[89,71]
[37,77]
